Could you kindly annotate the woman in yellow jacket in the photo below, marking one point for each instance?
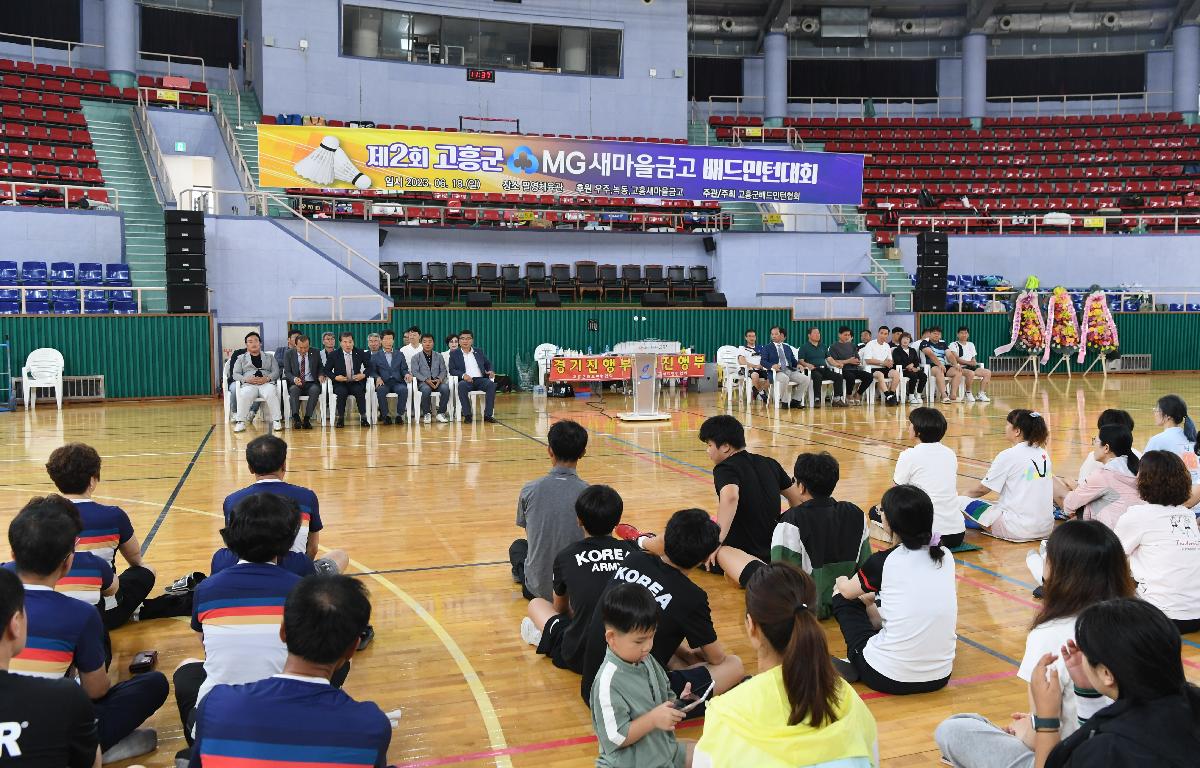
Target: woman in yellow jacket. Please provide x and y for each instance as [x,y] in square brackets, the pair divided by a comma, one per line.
[797,711]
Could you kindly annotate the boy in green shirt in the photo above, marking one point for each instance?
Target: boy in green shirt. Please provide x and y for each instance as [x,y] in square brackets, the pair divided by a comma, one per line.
[631,699]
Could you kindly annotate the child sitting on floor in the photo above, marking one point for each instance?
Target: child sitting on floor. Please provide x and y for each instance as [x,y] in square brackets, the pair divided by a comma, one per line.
[1022,477]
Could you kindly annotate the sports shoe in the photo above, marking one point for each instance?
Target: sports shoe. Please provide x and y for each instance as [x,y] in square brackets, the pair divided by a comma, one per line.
[184,584]
[276,425]
[626,532]
[845,669]
[366,637]
[428,418]
[140,742]
[441,417]
[983,398]
[239,426]
[970,398]
[946,398]
[920,400]
[913,400]
[889,398]
[530,633]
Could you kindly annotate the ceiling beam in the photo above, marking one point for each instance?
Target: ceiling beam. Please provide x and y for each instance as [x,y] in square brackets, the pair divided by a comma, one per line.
[978,12]
[777,14]
[1186,11]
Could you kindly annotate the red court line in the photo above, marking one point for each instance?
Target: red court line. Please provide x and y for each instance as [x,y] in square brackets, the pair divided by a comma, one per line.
[1001,592]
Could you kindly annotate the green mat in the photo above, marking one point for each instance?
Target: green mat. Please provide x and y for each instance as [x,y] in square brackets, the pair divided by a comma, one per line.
[965,547]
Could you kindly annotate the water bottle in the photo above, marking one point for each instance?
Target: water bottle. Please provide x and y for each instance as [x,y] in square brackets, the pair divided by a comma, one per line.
[589,350]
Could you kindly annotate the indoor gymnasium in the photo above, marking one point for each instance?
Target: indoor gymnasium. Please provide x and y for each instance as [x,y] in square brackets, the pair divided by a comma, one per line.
[720,383]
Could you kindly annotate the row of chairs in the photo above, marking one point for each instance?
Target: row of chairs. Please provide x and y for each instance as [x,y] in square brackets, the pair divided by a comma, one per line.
[65,302]
[64,273]
[436,280]
[35,282]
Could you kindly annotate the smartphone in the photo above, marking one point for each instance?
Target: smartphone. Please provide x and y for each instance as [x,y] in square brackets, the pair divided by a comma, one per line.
[687,705]
[143,662]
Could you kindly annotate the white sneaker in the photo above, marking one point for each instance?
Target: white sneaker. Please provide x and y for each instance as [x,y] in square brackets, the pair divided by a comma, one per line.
[239,426]
[983,398]
[946,398]
[530,633]
[427,419]
[276,425]
[970,398]
[913,400]
[441,417]
[920,399]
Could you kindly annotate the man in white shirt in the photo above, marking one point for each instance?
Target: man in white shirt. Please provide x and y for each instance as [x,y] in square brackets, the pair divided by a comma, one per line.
[412,344]
[474,372]
[750,357]
[962,355]
[876,357]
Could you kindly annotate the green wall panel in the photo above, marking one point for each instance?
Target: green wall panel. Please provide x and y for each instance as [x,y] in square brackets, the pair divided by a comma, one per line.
[1168,337]
[503,333]
[139,355]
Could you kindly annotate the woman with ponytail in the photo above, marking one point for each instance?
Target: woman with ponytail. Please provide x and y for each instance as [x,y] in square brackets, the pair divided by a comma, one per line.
[903,641]
[1162,540]
[1112,487]
[796,710]
[1022,479]
[1178,433]
[1128,651]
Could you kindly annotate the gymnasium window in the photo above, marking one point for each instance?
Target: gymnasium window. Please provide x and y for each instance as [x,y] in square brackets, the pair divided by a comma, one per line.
[379,33]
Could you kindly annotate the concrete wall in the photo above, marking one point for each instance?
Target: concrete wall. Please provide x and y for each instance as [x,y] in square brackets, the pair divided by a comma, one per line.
[362,237]
[56,234]
[321,81]
[1154,261]
[255,265]
[199,131]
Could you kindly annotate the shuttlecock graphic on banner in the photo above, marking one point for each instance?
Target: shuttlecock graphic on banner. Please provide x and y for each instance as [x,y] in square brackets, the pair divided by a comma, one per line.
[317,167]
[345,170]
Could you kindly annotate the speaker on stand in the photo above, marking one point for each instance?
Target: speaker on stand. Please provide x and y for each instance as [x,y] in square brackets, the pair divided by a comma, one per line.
[933,262]
[187,275]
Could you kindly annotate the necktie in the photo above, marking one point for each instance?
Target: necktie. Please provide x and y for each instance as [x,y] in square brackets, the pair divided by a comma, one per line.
[302,374]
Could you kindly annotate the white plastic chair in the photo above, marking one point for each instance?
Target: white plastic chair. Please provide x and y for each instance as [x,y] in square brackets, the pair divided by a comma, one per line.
[732,374]
[782,386]
[543,354]
[43,369]
[413,407]
[323,408]
[229,394]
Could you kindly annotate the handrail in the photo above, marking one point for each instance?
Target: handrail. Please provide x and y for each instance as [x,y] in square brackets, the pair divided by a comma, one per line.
[177,56]
[237,92]
[876,272]
[33,40]
[759,133]
[1090,98]
[143,131]
[384,304]
[146,90]
[114,194]
[1077,221]
[1127,293]
[231,144]
[330,299]
[79,289]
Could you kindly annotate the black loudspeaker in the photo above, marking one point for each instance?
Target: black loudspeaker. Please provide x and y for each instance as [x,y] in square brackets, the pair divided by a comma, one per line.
[655,300]
[185,231]
[933,243]
[183,217]
[547,299]
[185,260]
[187,277]
[715,299]
[175,245]
[710,244]
[187,298]
[479,299]
[382,236]
[929,300]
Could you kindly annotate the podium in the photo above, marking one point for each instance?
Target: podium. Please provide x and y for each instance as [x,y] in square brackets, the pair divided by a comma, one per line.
[643,363]
[645,377]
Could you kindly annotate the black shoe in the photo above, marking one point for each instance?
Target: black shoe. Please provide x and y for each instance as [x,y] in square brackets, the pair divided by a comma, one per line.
[797,404]
[385,420]
[296,422]
[490,419]
[785,406]
[364,423]
[817,403]
[184,584]
[340,422]
[1038,592]
[845,669]
[306,424]
[366,637]
[889,398]
[467,418]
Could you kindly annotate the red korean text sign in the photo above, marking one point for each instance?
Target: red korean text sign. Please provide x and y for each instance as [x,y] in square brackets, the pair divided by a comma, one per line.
[609,368]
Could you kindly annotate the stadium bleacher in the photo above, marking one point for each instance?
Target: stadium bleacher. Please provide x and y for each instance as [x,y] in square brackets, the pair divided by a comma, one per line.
[66,288]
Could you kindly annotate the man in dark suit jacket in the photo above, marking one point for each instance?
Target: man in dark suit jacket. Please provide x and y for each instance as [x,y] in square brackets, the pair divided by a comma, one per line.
[778,358]
[305,375]
[391,375]
[349,368]
[475,373]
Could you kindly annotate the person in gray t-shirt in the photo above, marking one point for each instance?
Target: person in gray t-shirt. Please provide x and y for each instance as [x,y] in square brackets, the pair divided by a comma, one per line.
[546,510]
[844,354]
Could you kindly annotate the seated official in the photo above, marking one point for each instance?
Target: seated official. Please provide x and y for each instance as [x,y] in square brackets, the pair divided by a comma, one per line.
[778,358]
[475,374]
[430,373]
[349,368]
[305,375]
[328,346]
[257,373]
[814,358]
[391,375]
[298,711]
[281,352]
[843,355]
[876,357]
[750,359]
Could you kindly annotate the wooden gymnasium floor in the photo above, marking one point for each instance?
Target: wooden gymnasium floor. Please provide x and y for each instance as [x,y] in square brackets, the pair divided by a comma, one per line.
[427,516]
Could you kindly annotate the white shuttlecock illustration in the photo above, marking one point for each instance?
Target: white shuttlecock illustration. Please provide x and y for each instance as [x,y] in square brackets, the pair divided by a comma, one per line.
[317,167]
[345,170]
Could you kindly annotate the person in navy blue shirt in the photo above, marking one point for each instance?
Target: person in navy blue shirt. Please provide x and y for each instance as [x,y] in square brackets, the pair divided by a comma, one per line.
[65,633]
[391,376]
[298,711]
[266,456]
[475,374]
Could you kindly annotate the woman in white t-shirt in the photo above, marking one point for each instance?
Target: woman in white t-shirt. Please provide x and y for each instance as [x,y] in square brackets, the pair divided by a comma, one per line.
[932,466]
[898,614]
[1085,565]
[1021,476]
[1178,435]
[1163,541]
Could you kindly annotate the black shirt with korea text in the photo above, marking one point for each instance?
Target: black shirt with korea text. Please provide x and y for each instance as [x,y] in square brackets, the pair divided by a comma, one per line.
[581,571]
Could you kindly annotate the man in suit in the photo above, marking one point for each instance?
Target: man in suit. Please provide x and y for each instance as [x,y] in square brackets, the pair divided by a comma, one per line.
[281,352]
[391,375]
[474,372]
[305,376]
[257,373]
[349,368]
[429,370]
[778,358]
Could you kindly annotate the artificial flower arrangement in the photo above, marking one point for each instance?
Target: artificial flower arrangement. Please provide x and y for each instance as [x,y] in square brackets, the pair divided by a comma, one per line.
[1064,326]
[1099,328]
[1028,327]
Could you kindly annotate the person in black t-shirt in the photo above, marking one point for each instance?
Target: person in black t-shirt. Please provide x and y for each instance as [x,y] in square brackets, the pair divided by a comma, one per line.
[48,723]
[581,572]
[748,489]
[685,642]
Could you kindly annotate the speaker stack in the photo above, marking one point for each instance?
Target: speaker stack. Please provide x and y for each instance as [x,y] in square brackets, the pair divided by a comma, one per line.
[187,277]
[933,260]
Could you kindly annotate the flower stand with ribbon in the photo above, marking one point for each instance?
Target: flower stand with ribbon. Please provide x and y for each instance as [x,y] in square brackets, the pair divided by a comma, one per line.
[1064,330]
[1028,331]
[1099,331]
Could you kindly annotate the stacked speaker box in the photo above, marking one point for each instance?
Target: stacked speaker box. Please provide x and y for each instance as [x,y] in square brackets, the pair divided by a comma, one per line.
[187,277]
[933,261]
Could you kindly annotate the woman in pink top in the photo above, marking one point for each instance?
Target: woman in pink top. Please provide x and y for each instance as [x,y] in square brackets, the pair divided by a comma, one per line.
[1112,488]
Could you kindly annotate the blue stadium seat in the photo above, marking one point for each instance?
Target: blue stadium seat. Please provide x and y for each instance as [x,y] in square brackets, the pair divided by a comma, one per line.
[95,306]
[1174,307]
[91,273]
[67,307]
[62,273]
[37,307]
[116,274]
[10,294]
[37,294]
[8,273]
[123,296]
[33,272]
[10,307]
[124,307]
[62,294]
[1193,307]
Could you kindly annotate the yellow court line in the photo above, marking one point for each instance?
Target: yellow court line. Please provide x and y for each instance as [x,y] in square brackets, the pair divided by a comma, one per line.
[491,721]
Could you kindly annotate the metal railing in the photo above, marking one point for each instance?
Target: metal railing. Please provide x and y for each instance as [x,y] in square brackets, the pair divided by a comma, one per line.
[79,289]
[1153,297]
[1058,223]
[384,304]
[198,198]
[145,92]
[759,134]
[231,83]
[143,131]
[231,144]
[176,57]
[70,45]
[1070,103]
[8,190]
[292,315]
[876,273]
